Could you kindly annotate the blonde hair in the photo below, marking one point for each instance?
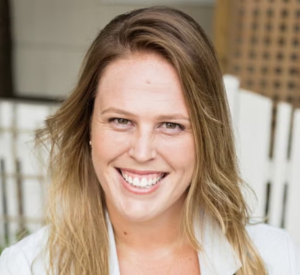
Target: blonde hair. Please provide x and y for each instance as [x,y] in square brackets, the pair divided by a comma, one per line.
[76,205]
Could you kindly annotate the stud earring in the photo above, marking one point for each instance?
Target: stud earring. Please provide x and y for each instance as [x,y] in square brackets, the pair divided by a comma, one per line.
[90,143]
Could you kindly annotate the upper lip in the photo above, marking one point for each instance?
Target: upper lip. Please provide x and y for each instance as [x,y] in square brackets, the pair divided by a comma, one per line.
[141,172]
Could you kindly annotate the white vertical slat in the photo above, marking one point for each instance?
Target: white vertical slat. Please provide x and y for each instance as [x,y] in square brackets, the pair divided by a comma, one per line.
[6,114]
[6,153]
[34,199]
[232,85]
[279,164]
[12,208]
[31,116]
[252,142]
[292,222]
[2,111]
[25,153]
[2,229]
[7,125]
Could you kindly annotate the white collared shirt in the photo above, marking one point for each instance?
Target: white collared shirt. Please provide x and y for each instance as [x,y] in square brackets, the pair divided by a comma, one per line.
[217,257]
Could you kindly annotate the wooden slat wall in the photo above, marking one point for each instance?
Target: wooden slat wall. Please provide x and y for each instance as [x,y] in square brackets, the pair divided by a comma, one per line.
[263,46]
[223,13]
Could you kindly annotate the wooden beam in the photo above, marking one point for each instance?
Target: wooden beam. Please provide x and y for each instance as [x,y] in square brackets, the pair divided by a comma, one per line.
[6,79]
[221,36]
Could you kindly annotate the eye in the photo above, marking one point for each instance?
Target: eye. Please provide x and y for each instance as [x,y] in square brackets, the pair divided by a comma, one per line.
[121,121]
[173,126]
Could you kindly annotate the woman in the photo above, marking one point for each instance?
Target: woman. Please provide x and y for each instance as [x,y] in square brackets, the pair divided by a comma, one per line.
[143,167]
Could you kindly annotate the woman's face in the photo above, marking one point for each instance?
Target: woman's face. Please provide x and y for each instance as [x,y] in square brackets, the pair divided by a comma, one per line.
[143,150]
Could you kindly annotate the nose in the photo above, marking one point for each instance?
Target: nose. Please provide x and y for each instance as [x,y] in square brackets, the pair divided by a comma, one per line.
[142,146]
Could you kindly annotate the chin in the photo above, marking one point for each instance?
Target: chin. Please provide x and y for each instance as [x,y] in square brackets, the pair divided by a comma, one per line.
[137,212]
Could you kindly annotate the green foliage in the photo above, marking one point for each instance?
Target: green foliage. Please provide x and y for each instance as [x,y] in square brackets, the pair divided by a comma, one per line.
[19,236]
[5,242]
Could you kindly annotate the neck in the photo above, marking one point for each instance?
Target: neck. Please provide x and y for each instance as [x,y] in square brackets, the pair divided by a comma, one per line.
[159,234]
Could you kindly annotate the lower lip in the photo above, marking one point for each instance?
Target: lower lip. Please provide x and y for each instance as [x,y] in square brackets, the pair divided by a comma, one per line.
[137,190]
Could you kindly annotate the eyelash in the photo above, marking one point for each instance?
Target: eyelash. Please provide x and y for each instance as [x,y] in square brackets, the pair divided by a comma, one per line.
[116,120]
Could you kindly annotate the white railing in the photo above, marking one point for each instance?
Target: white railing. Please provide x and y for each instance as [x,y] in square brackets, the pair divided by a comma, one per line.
[276,181]
[22,190]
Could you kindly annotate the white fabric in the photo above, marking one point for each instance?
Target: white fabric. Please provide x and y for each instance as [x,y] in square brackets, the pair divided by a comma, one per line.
[280,254]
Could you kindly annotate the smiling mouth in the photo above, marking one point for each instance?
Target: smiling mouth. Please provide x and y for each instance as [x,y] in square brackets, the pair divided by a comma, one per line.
[142,181]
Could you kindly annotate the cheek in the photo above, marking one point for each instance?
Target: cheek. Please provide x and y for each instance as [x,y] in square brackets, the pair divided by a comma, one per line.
[180,153]
[108,144]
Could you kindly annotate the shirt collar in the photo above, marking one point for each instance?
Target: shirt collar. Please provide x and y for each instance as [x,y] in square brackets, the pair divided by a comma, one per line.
[216,258]
[113,257]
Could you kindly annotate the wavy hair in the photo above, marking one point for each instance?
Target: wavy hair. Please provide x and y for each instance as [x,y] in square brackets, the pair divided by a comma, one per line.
[76,205]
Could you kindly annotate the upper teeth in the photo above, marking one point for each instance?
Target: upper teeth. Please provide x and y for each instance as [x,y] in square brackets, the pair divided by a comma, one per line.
[141,182]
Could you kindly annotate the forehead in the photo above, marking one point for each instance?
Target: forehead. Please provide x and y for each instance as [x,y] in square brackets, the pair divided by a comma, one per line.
[138,80]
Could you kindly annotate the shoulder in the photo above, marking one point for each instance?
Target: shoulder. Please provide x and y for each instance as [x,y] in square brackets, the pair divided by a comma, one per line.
[278,250]
[26,256]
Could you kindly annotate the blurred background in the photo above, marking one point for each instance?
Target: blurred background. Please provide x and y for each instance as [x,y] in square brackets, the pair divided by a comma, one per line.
[42,44]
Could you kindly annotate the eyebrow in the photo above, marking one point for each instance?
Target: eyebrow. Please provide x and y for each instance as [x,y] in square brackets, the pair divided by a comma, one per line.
[160,117]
